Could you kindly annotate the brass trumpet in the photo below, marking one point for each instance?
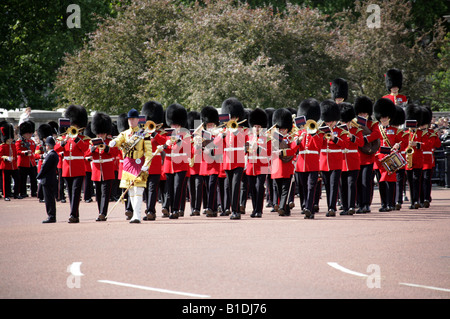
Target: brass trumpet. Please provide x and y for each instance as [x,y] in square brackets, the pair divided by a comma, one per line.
[71,132]
[151,126]
[311,126]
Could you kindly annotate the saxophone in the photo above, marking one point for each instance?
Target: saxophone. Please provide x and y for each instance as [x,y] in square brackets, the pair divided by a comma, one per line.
[410,151]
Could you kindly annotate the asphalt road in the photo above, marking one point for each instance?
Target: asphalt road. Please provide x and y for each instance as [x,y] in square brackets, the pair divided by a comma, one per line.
[396,255]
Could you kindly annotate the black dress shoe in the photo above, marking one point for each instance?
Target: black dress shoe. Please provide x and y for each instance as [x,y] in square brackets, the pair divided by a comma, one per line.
[7,199]
[63,200]
[307,213]
[135,221]
[426,204]
[88,200]
[18,197]
[331,213]
[101,218]
[150,216]
[235,215]
[49,220]
[73,220]
[173,215]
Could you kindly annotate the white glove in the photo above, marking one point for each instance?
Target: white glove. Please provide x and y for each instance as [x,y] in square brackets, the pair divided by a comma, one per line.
[144,168]
[112,143]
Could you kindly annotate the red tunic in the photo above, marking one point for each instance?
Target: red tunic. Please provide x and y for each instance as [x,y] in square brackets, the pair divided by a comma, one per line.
[309,152]
[233,145]
[417,159]
[23,148]
[366,159]
[259,155]
[430,143]
[103,162]
[177,156]
[394,136]
[280,168]
[398,100]
[8,157]
[352,160]
[331,155]
[73,156]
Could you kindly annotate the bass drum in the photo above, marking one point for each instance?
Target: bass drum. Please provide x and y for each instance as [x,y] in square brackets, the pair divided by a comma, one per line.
[371,147]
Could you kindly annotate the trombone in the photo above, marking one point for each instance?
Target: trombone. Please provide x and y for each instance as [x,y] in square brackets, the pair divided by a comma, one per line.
[71,132]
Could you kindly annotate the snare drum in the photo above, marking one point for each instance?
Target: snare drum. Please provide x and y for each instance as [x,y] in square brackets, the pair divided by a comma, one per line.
[393,162]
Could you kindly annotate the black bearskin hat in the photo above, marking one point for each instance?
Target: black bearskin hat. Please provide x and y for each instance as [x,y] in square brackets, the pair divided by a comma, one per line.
[258,117]
[310,108]
[399,117]
[77,115]
[88,130]
[269,112]
[282,118]
[210,114]
[44,130]
[339,89]
[427,115]
[329,111]
[192,116]
[394,77]
[114,130]
[101,123]
[55,127]
[383,108]
[27,127]
[414,112]
[122,122]
[233,107]
[176,114]
[347,112]
[363,105]
[6,131]
[292,110]
[153,111]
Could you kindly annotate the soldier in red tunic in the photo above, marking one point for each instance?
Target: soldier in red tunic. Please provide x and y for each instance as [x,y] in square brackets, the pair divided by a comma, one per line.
[258,159]
[210,160]
[26,148]
[283,151]
[153,111]
[430,143]
[394,81]
[351,161]
[384,110]
[232,142]
[74,147]
[414,161]
[8,161]
[103,158]
[307,166]
[331,156]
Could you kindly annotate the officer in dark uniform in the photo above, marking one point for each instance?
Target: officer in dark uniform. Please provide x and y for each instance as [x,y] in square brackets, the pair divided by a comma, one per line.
[48,180]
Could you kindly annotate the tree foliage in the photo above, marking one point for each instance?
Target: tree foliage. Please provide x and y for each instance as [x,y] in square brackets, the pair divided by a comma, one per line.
[201,53]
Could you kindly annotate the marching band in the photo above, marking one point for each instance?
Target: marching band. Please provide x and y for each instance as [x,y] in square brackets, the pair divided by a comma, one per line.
[209,156]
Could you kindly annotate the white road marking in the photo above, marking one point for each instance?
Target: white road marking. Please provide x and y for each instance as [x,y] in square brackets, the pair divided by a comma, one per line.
[154,289]
[348,271]
[426,287]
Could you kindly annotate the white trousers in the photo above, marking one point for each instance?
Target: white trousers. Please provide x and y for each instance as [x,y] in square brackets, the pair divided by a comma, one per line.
[135,197]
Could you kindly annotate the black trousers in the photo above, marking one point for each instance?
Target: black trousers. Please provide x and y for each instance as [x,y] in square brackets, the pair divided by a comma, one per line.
[211,191]
[307,182]
[331,182]
[25,172]
[61,181]
[348,189]
[152,192]
[232,188]
[174,187]
[244,191]
[269,190]
[102,195]
[256,189]
[365,185]
[387,193]
[49,191]
[74,186]
[8,176]
[88,186]
[221,193]
[400,186]
[425,193]
[283,185]
[414,181]
[196,191]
